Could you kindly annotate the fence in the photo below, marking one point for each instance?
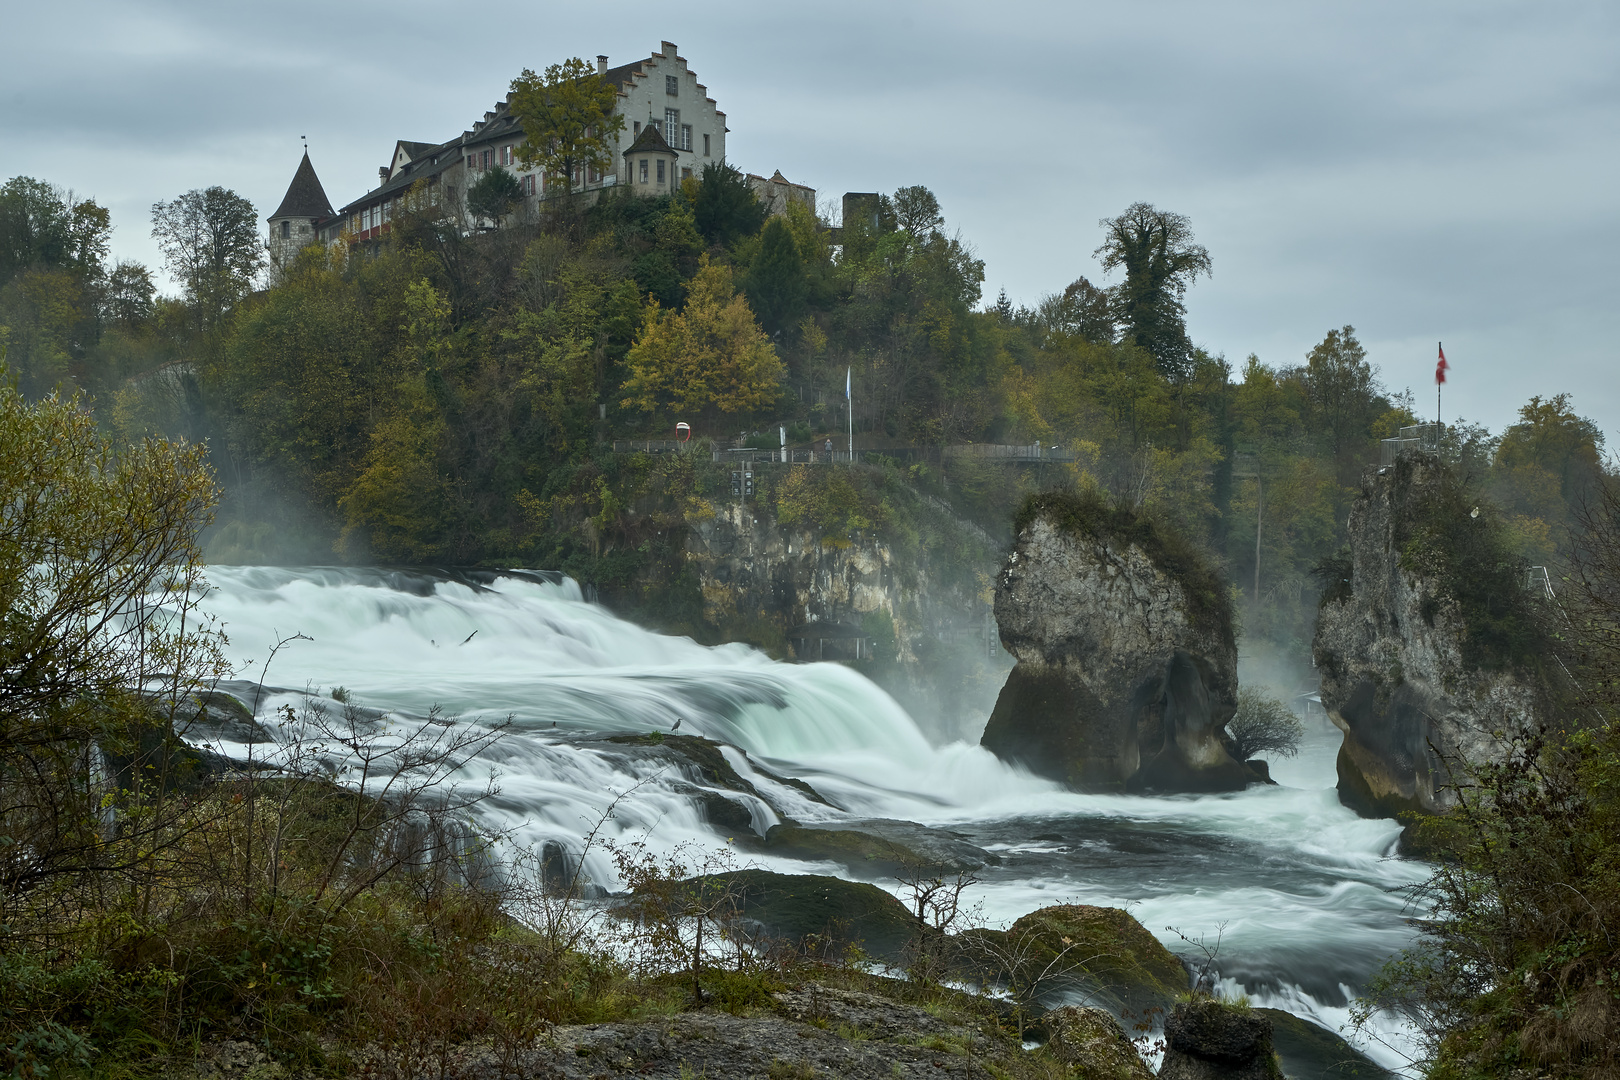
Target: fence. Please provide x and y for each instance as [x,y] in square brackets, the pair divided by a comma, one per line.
[1424,438]
[812,456]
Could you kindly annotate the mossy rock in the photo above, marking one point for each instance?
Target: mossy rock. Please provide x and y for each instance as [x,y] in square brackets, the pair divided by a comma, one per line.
[799,907]
[1309,1051]
[865,855]
[1093,1042]
[1123,965]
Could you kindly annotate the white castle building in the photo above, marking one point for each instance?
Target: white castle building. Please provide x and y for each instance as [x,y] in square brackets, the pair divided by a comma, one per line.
[672,129]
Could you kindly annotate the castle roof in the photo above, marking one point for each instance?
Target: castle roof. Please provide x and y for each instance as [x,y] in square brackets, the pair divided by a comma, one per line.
[650,141]
[305,197]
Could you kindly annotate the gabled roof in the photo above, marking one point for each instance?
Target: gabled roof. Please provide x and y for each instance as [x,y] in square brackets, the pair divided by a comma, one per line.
[414,150]
[650,141]
[305,197]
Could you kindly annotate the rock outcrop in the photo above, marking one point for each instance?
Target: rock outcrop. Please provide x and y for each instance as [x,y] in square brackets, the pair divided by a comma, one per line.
[1212,1040]
[1127,663]
[1415,670]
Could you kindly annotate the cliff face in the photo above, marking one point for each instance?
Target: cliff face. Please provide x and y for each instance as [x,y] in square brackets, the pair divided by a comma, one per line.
[1390,645]
[1122,679]
[924,621]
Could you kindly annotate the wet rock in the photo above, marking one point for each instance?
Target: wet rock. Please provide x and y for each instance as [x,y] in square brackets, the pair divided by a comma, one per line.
[1390,645]
[1211,1040]
[1308,1051]
[819,913]
[1127,664]
[878,848]
[1102,953]
[1092,1039]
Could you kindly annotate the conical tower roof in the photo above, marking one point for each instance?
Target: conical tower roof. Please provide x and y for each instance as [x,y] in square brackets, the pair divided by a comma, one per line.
[305,196]
[651,140]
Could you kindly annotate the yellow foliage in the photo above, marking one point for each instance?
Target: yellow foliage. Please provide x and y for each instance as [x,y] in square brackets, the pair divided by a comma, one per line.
[712,354]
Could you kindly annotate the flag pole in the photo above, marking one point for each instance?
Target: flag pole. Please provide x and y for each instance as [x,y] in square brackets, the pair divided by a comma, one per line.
[849,398]
[1439,385]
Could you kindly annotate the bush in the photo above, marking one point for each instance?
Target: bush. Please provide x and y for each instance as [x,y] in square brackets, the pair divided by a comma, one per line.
[1263,725]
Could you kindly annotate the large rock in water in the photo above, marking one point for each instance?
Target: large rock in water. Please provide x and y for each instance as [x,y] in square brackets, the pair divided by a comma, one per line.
[1127,663]
[1212,1040]
[1425,640]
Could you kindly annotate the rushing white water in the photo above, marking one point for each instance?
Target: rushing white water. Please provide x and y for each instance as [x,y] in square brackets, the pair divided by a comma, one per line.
[1301,893]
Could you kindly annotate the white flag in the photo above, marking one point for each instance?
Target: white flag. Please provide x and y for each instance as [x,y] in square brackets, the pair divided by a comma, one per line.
[846,384]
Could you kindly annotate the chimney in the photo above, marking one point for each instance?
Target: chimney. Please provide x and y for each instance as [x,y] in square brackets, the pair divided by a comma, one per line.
[382,174]
[669,49]
[601,64]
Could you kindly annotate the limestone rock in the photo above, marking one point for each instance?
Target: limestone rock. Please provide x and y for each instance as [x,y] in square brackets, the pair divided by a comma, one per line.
[1127,664]
[1093,1040]
[1210,1040]
[1390,647]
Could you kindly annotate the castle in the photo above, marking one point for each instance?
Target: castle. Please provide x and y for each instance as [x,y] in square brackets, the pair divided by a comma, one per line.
[672,130]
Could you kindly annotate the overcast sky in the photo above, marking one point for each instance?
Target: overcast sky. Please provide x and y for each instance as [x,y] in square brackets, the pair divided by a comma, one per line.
[1423,171]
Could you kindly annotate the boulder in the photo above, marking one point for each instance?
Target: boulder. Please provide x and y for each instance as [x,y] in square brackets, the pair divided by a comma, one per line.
[1308,1051]
[799,907]
[1101,952]
[878,848]
[1127,661]
[1213,1040]
[1417,671]
[1093,1040]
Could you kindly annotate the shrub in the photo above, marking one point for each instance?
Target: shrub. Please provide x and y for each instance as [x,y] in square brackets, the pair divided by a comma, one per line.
[1263,725]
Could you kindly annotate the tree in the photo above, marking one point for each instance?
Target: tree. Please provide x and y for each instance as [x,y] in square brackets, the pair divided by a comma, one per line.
[1263,725]
[43,226]
[1082,310]
[1548,462]
[568,117]
[710,356]
[128,296]
[916,211]
[494,194]
[210,243]
[1160,259]
[776,282]
[100,575]
[1342,389]
[725,207]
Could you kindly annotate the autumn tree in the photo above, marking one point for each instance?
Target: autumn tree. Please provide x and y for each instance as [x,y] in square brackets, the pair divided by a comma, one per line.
[210,243]
[709,357]
[568,119]
[1156,249]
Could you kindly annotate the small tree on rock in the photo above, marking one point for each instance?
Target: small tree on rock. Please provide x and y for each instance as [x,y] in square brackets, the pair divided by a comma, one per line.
[1263,725]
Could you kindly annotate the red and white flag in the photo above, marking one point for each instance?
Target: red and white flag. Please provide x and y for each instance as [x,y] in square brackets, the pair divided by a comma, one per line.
[1440,368]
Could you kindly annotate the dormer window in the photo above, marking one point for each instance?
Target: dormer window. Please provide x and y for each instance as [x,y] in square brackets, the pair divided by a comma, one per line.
[672,85]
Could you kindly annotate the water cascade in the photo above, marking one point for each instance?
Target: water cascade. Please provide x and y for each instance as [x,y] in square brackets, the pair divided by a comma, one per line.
[1301,893]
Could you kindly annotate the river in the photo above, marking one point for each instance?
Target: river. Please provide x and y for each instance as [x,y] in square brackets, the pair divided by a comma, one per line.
[1305,898]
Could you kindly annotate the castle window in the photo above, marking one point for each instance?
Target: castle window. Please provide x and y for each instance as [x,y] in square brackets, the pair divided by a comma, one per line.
[672,126]
[506,155]
[686,174]
[286,229]
[705,145]
[635,127]
[672,85]
[660,170]
[686,136]
[485,157]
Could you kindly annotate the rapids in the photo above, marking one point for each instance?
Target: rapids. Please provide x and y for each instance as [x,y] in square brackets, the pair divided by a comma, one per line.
[1304,896]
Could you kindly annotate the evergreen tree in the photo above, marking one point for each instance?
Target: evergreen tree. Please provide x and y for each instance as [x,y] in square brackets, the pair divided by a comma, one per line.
[777,281]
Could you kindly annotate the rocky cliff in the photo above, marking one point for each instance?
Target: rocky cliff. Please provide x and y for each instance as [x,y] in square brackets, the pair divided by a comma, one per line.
[1426,640]
[919,625]
[1126,661]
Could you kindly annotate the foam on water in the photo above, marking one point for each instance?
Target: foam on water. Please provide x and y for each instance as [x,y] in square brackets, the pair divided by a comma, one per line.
[1309,900]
